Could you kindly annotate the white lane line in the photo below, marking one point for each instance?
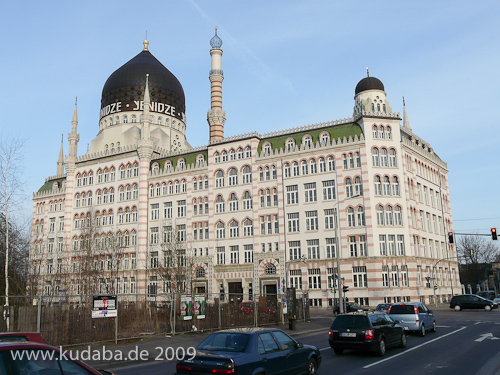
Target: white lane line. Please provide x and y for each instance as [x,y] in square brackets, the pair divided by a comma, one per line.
[324,349]
[442,326]
[477,323]
[415,347]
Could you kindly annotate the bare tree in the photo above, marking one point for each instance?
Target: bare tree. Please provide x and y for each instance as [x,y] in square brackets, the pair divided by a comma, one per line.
[475,252]
[11,194]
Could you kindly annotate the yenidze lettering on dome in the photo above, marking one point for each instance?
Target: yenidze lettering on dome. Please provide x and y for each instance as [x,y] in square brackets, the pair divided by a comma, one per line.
[137,105]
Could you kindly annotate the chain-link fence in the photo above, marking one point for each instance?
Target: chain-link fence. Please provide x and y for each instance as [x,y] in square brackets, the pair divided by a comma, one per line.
[67,320]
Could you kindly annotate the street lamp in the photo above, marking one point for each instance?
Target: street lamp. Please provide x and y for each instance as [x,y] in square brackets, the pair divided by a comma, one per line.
[338,249]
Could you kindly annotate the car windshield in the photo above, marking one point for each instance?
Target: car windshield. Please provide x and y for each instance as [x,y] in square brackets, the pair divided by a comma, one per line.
[350,321]
[402,309]
[225,341]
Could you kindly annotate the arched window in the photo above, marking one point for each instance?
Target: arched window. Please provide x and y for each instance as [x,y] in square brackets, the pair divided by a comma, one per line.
[387,186]
[383,157]
[158,190]
[135,191]
[380,215]
[181,163]
[395,186]
[233,202]
[234,229]
[220,230]
[248,152]
[325,137]
[392,158]
[183,186]
[224,155]
[156,168]
[381,132]
[136,169]
[344,159]
[232,154]
[350,217]
[398,216]
[375,157]
[247,174]
[219,179]
[121,194]
[220,204]
[358,160]
[388,133]
[270,269]
[348,188]
[240,153]
[307,141]
[122,172]
[313,166]
[217,157]
[247,201]
[296,171]
[351,160]
[375,131]
[286,169]
[361,216]
[322,165]
[388,216]
[331,163]
[274,172]
[378,185]
[304,167]
[358,186]
[268,174]
[290,144]
[247,228]
[200,273]
[233,177]
[266,148]
[195,184]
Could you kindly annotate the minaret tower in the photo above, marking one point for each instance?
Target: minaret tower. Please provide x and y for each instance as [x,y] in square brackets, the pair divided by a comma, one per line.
[73,139]
[60,161]
[216,117]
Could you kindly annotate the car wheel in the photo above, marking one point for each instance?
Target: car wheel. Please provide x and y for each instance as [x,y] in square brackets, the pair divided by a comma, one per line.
[381,348]
[338,351]
[457,308]
[433,329]
[487,308]
[312,367]
[402,344]
[422,330]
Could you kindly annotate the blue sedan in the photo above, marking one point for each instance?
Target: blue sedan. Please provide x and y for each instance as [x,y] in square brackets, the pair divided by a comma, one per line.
[251,351]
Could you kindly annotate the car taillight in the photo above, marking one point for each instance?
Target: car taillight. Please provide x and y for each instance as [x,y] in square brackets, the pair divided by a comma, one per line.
[389,311]
[229,368]
[369,334]
[183,368]
[416,312]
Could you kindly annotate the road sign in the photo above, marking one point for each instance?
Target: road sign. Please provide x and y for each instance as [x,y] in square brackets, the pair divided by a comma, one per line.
[104,307]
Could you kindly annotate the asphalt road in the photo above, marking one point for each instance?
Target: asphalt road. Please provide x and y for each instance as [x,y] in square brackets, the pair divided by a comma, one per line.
[466,343]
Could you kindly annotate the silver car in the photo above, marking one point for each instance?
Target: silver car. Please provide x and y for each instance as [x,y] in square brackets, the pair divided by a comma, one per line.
[413,316]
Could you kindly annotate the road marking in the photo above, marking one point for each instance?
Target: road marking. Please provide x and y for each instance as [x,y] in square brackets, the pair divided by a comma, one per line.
[442,326]
[324,349]
[486,336]
[415,347]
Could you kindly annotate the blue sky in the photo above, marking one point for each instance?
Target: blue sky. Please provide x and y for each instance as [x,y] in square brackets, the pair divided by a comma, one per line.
[286,64]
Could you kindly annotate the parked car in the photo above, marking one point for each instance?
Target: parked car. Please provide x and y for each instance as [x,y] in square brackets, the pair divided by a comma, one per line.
[471,301]
[497,299]
[413,316]
[349,307]
[488,294]
[371,331]
[383,307]
[251,351]
[22,336]
[247,308]
[20,357]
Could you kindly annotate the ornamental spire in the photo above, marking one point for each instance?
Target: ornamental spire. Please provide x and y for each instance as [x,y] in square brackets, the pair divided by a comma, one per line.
[60,161]
[216,116]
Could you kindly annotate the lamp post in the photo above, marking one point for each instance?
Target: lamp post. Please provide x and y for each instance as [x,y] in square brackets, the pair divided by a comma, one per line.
[434,276]
[338,249]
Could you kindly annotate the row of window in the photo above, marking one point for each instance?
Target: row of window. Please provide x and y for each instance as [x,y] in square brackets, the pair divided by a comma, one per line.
[233,154]
[381,132]
[380,158]
[295,169]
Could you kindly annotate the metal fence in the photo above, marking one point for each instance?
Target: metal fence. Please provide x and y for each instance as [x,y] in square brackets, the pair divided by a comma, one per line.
[67,320]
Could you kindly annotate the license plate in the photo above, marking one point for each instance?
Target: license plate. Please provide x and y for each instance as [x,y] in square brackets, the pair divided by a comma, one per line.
[347,334]
[406,328]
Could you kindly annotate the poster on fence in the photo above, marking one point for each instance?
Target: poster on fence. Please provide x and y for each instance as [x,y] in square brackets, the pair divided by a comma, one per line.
[104,307]
[186,307]
[199,306]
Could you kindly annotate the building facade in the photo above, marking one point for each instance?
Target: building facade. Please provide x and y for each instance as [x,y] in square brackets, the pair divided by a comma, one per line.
[245,214]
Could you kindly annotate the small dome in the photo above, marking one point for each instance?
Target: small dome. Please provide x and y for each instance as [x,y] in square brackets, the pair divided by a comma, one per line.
[128,82]
[216,42]
[369,83]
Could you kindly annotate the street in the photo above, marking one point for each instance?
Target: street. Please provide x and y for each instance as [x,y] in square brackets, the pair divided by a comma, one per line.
[466,342]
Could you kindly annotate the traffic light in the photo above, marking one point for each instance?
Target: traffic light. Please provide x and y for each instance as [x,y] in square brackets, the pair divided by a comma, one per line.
[450,237]
[345,288]
[494,234]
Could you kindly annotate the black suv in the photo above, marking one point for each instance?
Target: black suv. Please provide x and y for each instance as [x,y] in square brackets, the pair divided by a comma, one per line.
[471,301]
[372,331]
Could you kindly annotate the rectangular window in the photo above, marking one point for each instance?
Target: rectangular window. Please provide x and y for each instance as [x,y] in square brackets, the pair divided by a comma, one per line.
[385,276]
[167,210]
[330,218]
[331,248]
[248,249]
[181,208]
[382,244]
[353,246]
[313,249]
[155,211]
[395,276]
[311,220]
[181,232]
[359,277]
[294,250]
[292,194]
[310,191]
[329,190]
[235,254]
[293,222]
[154,236]
[391,245]
[401,244]
[221,255]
